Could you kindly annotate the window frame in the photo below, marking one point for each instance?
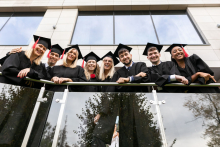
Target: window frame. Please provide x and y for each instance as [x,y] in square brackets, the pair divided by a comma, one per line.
[193,22]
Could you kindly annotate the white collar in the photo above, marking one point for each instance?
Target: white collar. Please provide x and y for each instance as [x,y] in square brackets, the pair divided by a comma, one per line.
[130,65]
[156,65]
[46,65]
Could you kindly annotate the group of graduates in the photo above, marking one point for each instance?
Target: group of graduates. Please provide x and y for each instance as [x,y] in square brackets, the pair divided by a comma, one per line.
[18,64]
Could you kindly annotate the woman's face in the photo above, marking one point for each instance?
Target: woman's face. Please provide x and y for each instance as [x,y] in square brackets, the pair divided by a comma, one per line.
[91,65]
[39,50]
[177,53]
[71,56]
[107,63]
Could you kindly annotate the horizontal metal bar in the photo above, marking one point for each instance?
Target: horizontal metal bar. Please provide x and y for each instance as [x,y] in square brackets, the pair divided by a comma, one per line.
[207,44]
[125,84]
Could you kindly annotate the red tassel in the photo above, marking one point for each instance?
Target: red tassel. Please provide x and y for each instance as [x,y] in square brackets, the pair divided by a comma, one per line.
[62,55]
[48,55]
[83,64]
[35,43]
[186,54]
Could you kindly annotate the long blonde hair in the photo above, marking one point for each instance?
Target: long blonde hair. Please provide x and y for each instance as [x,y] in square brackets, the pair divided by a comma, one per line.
[96,71]
[74,64]
[28,55]
[102,71]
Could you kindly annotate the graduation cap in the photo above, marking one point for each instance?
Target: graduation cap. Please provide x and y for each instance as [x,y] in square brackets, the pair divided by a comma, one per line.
[92,56]
[149,45]
[169,49]
[42,40]
[57,49]
[121,46]
[111,55]
[77,48]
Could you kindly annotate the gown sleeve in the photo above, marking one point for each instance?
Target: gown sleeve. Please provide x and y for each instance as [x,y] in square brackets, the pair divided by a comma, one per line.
[37,72]
[201,67]
[2,60]
[81,76]
[143,68]
[10,68]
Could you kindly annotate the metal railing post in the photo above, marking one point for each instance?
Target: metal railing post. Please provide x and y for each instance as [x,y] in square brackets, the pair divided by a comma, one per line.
[160,120]
[59,121]
[33,116]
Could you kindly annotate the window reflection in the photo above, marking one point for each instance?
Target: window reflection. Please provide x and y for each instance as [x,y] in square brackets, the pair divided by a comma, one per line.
[3,18]
[93,30]
[20,28]
[191,119]
[175,28]
[134,29]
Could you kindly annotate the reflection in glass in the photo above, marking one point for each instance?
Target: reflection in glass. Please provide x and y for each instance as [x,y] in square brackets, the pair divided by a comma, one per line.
[134,29]
[40,120]
[191,119]
[19,30]
[3,18]
[93,30]
[50,126]
[16,106]
[82,127]
[173,28]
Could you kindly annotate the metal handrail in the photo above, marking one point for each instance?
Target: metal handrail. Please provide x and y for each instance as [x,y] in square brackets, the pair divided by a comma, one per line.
[125,84]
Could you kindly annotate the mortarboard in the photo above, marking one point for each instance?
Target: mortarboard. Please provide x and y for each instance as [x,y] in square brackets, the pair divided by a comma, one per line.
[149,45]
[169,49]
[57,49]
[42,40]
[121,46]
[111,55]
[92,56]
[77,48]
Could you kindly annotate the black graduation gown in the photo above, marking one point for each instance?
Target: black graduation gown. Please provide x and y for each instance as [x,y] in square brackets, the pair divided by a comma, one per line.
[104,88]
[93,88]
[134,70]
[2,60]
[76,74]
[14,64]
[160,75]
[194,64]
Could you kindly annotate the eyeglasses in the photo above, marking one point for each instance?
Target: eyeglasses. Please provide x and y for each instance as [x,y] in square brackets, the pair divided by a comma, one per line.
[107,61]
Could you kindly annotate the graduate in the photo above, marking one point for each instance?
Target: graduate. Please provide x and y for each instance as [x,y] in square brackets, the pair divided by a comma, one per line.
[69,71]
[193,68]
[91,71]
[107,69]
[131,72]
[25,63]
[160,71]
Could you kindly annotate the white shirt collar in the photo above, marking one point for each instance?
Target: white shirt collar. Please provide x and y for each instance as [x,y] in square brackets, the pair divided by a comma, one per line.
[130,65]
[46,65]
[156,65]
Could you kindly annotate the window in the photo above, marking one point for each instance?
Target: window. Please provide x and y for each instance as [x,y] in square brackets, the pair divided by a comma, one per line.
[18,28]
[135,27]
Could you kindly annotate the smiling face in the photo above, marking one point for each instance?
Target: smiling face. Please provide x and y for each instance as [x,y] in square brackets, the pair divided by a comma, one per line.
[71,55]
[91,65]
[154,56]
[39,50]
[125,58]
[107,63]
[177,53]
[54,57]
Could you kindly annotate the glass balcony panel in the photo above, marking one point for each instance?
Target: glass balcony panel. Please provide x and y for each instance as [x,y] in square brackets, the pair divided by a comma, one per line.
[191,119]
[16,107]
[99,118]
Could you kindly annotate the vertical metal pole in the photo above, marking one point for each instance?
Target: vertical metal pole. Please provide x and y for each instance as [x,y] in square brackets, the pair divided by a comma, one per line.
[33,117]
[59,121]
[160,121]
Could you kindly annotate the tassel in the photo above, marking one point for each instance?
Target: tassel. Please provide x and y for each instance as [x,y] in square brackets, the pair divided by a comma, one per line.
[62,55]
[48,55]
[186,54]
[35,43]
[83,63]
